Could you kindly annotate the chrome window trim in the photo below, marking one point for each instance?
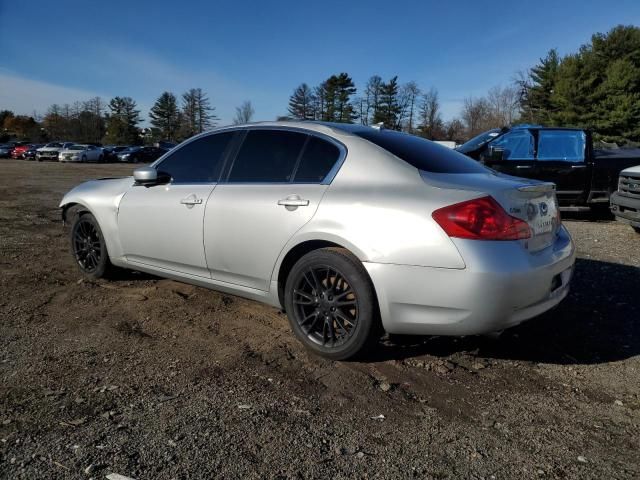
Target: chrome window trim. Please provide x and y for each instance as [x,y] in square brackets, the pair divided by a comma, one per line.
[342,148]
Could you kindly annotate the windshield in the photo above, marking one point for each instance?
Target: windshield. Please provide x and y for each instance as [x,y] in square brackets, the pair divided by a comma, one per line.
[421,153]
[53,145]
[77,147]
[478,140]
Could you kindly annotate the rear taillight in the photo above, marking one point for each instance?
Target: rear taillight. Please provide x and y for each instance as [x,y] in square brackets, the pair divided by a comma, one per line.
[481,219]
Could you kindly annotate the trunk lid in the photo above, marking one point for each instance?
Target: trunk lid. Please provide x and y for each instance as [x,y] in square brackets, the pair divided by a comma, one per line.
[529,200]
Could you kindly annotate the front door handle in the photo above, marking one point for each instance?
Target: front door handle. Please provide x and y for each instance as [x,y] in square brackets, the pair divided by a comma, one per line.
[578,166]
[293,201]
[191,200]
[524,166]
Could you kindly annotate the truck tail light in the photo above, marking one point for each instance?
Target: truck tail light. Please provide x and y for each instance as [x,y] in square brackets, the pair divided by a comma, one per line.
[481,219]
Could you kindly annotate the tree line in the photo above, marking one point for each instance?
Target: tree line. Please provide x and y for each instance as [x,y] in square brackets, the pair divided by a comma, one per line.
[118,121]
[597,87]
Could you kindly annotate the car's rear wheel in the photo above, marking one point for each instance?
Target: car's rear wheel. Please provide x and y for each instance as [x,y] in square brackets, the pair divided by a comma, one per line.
[89,248]
[331,304]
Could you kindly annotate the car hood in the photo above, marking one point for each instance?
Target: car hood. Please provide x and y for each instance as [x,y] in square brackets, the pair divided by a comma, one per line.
[631,170]
[99,191]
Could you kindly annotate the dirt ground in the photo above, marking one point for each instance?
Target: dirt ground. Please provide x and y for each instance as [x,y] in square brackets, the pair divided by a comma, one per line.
[154,379]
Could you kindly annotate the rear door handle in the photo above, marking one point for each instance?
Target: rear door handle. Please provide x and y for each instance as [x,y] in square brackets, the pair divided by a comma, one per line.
[191,200]
[578,166]
[293,201]
[524,166]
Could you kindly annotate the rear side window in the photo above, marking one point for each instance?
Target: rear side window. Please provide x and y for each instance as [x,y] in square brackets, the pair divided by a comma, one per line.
[199,161]
[318,158]
[561,145]
[421,153]
[267,156]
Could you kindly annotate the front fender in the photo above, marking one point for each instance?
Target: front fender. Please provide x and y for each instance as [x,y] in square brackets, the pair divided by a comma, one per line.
[102,199]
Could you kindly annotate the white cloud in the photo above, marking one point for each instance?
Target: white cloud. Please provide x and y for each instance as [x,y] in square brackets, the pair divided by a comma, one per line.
[24,96]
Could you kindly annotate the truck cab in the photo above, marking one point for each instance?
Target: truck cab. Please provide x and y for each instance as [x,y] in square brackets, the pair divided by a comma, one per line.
[563,156]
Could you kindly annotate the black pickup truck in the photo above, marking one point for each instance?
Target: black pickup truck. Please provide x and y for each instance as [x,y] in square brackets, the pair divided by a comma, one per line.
[585,178]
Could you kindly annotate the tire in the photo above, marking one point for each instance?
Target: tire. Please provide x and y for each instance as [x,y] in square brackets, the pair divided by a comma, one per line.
[637,229]
[343,320]
[83,159]
[88,247]
[100,159]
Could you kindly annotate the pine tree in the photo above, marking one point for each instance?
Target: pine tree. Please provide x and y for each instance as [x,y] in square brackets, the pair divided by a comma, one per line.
[122,122]
[301,103]
[389,108]
[165,116]
[334,95]
[197,113]
[539,103]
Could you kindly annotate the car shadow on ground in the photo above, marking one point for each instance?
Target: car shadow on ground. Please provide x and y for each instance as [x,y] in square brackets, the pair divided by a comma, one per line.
[598,322]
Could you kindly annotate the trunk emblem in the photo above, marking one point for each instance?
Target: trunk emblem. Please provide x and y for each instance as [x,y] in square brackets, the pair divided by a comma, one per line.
[544,208]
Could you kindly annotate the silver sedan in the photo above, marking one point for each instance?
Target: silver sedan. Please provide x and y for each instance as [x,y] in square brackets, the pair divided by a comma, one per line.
[352,230]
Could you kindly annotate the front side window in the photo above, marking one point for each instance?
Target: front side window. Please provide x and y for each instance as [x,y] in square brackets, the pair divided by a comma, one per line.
[267,156]
[517,145]
[317,160]
[199,161]
[561,145]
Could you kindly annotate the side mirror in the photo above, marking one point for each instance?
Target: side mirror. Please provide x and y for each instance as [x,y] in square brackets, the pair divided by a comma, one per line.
[496,154]
[145,176]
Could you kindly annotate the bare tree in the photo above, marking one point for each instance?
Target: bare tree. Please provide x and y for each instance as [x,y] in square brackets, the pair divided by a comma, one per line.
[476,115]
[244,113]
[372,99]
[409,94]
[503,103]
[431,125]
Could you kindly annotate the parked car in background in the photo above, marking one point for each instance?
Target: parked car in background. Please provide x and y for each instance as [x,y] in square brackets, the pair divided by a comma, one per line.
[30,152]
[81,153]
[585,178]
[18,150]
[5,150]
[51,151]
[625,203]
[349,228]
[141,154]
[111,152]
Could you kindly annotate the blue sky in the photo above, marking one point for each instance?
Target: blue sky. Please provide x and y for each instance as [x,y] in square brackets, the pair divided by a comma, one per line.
[62,51]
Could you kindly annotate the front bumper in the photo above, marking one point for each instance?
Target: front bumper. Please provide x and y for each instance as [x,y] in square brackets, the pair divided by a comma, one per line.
[626,209]
[503,285]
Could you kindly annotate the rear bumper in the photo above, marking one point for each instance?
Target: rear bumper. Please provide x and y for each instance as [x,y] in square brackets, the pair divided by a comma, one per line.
[502,286]
[626,209]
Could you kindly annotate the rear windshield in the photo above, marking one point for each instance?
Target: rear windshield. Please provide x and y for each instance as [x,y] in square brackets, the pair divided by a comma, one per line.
[421,153]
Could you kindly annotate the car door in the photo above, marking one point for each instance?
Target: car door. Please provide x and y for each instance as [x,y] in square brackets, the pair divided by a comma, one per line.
[273,187]
[161,225]
[561,156]
[512,153]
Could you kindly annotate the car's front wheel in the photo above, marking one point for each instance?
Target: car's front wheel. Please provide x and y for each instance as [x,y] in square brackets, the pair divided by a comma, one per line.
[331,304]
[89,248]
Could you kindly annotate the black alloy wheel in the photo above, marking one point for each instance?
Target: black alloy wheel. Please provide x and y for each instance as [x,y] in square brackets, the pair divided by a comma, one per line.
[325,305]
[86,245]
[331,304]
[89,248]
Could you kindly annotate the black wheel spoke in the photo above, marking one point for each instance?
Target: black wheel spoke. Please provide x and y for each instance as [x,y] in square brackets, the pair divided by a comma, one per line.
[325,305]
[86,245]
